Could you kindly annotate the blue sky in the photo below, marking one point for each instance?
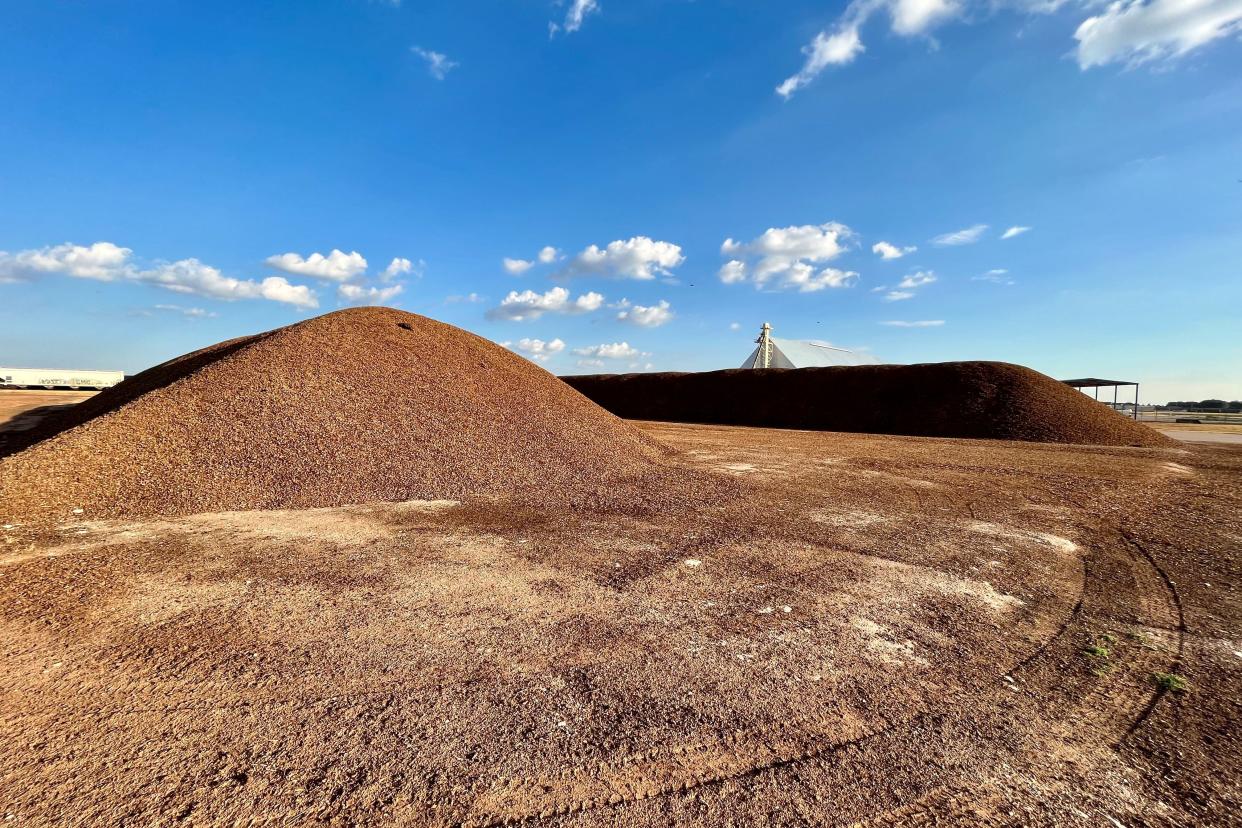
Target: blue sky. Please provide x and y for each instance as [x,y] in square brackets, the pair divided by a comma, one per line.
[176,173]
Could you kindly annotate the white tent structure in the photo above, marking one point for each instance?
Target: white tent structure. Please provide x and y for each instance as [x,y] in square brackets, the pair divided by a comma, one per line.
[792,353]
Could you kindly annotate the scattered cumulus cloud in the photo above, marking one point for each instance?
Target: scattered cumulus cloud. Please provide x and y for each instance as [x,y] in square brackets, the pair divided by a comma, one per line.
[637,258]
[842,43]
[516,267]
[733,271]
[590,363]
[918,279]
[1126,32]
[529,305]
[438,64]
[574,16]
[102,261]
[1133,32]
[192,313]
[469,298]
[923,323]
[970,235]
[193,277]
[397,267]
[1014,231]
[786,258]
[348,270]
[835,48]
[906,287]
[615,350]
[336,266]
[351,294]
[538,349]
[886,250]
[108,262]
[645,316]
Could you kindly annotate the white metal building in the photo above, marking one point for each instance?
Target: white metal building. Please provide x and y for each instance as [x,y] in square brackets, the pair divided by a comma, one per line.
[58,378]
[793,353]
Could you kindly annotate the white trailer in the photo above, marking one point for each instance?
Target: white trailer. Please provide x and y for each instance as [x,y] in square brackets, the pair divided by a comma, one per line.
[57,378]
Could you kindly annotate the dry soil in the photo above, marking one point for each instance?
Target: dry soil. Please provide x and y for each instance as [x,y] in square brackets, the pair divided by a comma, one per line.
[845,630]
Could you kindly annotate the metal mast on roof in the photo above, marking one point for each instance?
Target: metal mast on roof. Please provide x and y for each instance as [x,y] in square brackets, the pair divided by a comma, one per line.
[763,358]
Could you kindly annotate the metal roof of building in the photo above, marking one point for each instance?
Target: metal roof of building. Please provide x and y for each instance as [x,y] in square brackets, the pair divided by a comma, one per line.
[794,353]
[1094,382]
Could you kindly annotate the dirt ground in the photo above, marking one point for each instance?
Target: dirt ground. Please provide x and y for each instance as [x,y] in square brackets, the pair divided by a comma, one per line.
[1200,433]
[871,631]
[1223,428]
[14,402]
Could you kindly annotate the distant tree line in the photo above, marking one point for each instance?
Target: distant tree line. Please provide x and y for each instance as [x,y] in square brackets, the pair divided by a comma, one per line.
[1216,405]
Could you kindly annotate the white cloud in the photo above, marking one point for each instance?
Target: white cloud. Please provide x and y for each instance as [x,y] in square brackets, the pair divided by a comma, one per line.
[646,316]
[1014,231]
[193,313]
[397,267]
[471,298]
[516,267]
[538,349]
[529,305]
[1134,32]
[733,271]
[890,251]
[578,10]
[590,363]
[193,277]
[587,302]
[735,326]
[842,43]
[615,350]
[898,295]
[970,235]
[359,295]
[102,261]
[998,275]
[1129,32]
[827,49]
[438,64]
[784,258]
[336,266]
[925,323]
[638,258]
[918,279]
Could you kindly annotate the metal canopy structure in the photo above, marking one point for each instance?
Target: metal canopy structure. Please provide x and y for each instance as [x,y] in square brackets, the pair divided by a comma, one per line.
[793,353]
[1096,384]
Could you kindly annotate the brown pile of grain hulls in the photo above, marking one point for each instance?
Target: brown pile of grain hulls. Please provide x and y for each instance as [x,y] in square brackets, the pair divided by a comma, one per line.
[360,405]
[987,400]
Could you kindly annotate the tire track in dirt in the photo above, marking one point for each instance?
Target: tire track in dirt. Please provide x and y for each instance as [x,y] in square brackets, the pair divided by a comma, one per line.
[1115,706]
[1175,600]
[945,805]
[675,769]
[669,770]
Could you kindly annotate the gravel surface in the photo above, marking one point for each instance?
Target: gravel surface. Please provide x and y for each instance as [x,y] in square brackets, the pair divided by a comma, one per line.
[355,406]
[988,400]
[873,630]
